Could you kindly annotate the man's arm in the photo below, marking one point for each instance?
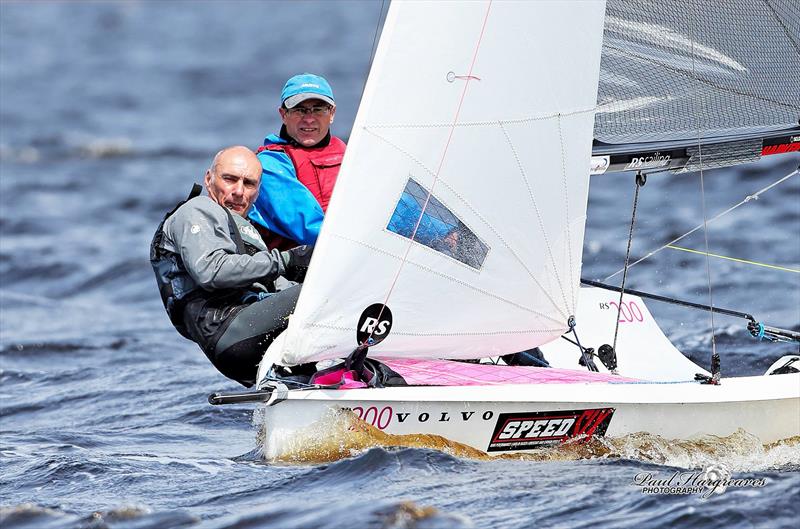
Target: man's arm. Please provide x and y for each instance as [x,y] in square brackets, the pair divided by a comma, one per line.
[284,205]
[200,233]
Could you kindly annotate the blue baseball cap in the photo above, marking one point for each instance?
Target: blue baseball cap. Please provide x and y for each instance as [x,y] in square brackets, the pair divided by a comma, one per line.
[306,86]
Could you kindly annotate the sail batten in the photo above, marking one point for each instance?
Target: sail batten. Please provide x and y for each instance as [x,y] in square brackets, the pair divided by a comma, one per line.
[499,121]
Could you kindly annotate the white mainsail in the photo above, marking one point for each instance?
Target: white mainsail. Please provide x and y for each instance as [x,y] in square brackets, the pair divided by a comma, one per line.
[489,107]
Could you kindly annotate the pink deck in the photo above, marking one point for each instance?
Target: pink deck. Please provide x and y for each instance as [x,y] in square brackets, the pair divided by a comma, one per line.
[451,373]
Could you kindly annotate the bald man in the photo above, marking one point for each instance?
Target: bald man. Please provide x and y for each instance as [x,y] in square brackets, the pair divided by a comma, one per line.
[215,274]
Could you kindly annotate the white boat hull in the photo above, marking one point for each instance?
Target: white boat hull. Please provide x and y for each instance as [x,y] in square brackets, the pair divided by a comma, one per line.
[508,419]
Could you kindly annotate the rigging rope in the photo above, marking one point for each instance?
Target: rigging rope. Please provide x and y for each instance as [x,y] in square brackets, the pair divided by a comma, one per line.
[715,360]
[586,354]
[756,329]
[735,259]
[641,179]
[667,299]
[747,199]
[373,49]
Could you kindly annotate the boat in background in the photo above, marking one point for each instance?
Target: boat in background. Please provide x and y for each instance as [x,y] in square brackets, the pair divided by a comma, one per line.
[456,228]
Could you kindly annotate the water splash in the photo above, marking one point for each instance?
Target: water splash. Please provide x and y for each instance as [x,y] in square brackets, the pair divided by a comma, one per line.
[341,434]
[739,452]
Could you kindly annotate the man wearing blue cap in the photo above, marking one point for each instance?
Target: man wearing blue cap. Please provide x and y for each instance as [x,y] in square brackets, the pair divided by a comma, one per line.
[300,165]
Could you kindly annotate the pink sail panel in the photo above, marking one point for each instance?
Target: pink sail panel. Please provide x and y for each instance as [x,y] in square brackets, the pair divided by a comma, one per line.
[451,373]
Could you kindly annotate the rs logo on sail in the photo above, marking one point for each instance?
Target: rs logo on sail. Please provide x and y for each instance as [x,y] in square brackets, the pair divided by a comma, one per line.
[370,325]
[374,324]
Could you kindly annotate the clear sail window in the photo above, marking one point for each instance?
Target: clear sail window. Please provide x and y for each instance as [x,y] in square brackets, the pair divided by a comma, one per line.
[439,228]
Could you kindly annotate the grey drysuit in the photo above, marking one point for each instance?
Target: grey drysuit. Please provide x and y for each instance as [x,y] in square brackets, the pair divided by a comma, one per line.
[224,306]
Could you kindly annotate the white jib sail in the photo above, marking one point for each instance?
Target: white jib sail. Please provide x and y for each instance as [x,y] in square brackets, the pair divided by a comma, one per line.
[488,107]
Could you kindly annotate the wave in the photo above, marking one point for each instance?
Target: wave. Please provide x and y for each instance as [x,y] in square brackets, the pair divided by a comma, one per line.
[212,416]
[96,149]
[31,349]
[392,460]
[383,514]
[9,377]
[129,279]
[332,515]
[114,278]
[22,226]
[27,272]
[30,516]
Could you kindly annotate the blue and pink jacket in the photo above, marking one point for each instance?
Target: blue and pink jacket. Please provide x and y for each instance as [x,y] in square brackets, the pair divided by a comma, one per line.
[296,186]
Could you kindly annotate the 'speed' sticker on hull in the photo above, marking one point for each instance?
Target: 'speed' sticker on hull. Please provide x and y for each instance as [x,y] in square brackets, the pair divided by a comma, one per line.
[522,431]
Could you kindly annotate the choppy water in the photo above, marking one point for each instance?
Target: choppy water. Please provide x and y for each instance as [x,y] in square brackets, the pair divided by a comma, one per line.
[108,111]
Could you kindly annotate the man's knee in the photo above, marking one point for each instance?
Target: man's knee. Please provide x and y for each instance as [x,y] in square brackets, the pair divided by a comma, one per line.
[263,318]
[239,361]
[240,348]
